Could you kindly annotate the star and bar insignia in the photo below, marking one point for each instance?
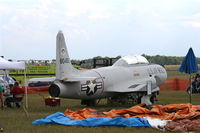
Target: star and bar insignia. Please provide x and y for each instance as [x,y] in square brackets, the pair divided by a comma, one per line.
[91,87]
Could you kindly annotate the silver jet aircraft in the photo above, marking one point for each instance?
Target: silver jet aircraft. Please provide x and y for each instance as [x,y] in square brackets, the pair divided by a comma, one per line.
[129,78]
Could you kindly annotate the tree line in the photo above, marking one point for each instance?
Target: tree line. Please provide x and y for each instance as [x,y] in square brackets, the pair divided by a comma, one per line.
[157,59]
[166,60]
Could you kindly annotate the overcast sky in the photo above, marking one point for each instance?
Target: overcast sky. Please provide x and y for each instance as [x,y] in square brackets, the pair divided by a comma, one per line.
[28,28]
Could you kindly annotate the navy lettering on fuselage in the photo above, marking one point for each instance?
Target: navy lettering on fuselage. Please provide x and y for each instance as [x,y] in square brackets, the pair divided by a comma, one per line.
[64,60]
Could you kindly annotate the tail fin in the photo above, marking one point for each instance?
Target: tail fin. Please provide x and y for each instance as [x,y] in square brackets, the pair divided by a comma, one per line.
[64,68]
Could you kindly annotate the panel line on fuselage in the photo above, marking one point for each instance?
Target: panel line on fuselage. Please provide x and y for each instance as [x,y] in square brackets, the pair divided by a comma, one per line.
[102,82]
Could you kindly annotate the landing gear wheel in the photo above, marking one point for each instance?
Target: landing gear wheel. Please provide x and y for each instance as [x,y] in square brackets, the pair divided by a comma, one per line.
[188,90]
[153,99]
[139,99]
[88,102]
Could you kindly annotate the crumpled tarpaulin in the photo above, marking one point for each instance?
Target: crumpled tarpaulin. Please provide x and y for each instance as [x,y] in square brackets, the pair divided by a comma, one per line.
[168,115]
[60,118]
[188,123]
[176,114]
[163,112]
[157,123]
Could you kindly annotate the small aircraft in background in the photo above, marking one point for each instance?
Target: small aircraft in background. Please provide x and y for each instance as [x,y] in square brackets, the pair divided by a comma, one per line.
[131,77]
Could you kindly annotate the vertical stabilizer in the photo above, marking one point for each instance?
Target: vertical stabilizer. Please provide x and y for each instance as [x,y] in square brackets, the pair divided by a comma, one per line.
[64,68]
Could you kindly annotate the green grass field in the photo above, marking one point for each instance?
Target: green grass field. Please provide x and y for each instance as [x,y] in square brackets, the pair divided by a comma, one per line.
[17,121]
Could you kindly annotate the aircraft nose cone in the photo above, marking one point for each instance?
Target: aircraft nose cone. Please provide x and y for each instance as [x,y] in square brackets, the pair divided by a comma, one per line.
[161,77]
[158,80]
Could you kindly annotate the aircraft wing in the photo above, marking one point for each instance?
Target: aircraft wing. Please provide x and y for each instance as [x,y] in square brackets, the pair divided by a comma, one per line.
[78,79]
[132,86]
[125,89]
[45,79]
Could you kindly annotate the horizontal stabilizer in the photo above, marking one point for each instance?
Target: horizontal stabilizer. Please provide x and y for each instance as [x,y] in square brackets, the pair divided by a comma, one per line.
[77,79]
[45,79]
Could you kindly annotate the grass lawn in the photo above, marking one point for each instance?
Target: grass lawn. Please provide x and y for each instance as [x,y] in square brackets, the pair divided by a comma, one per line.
[16,121]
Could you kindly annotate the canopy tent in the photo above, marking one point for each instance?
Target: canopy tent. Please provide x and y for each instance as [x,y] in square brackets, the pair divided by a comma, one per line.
[8,65]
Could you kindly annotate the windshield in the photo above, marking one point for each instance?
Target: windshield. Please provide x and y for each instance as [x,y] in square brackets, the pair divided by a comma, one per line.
[131,60]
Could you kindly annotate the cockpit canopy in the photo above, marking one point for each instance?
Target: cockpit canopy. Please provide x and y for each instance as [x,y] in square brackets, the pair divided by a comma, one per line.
[131,60]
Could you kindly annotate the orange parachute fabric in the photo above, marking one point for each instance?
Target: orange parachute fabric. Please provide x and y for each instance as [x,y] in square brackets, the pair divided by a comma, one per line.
[83,114]
[165,112]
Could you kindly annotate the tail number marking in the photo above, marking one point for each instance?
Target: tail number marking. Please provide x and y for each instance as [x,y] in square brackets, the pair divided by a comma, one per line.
[64,60]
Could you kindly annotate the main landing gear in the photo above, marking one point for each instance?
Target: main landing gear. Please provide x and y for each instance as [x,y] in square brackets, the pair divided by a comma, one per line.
[88,102]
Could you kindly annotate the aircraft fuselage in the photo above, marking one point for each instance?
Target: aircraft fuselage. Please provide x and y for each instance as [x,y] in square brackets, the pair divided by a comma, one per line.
[107,78]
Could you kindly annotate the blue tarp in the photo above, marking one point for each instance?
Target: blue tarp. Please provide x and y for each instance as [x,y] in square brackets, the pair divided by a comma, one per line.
[60,118]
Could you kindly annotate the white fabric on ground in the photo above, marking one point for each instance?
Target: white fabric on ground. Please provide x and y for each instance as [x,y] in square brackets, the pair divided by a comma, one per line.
[156,123]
